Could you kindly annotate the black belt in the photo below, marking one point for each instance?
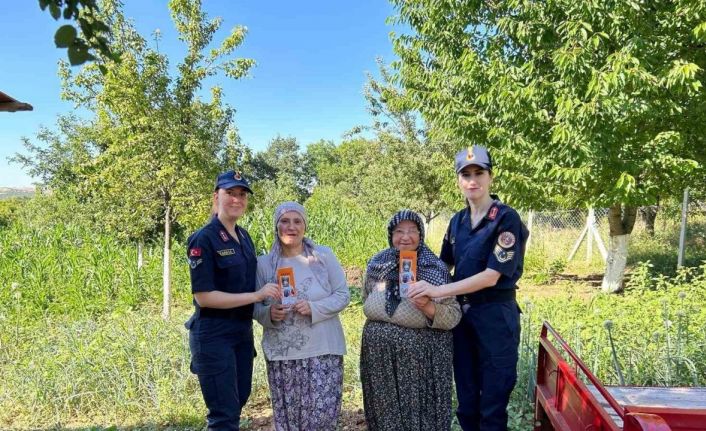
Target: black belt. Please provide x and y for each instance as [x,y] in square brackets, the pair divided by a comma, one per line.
[487,296]
[226,313]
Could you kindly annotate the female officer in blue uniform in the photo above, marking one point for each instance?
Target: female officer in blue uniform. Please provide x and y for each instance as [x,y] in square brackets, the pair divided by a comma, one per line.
[485,244]
[223,267]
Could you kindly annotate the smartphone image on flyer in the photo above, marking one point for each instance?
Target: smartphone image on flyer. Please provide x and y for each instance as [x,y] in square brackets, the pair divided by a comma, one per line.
[408,270]
[287,288]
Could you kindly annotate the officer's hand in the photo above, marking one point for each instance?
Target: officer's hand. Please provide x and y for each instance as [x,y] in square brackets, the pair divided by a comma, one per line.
[277,312]
[302,307]
[270,290]
[421,288]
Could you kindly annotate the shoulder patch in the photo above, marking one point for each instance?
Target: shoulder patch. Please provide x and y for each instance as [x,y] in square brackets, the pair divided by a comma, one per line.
[226,252]
[195,252]
[224,235]
[193,263]
[503,255]
[506,239]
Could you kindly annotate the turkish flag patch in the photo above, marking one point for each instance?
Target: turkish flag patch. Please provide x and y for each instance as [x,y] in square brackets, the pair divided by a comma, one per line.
[195,252]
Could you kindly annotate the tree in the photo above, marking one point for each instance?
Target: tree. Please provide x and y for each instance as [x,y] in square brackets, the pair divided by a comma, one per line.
[283,162]
[155,146]
[60,160]
[94,32]
[406,169]
[317,156]
[601,103]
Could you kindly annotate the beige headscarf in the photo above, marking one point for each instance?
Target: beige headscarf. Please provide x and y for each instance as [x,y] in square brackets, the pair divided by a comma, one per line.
[314,258]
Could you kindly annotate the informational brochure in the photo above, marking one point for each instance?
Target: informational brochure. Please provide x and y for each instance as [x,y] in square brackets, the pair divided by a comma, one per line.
[287,288]
[408,270]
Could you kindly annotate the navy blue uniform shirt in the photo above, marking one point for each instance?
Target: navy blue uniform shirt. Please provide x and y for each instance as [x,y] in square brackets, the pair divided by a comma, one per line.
[219,262]
[497,242]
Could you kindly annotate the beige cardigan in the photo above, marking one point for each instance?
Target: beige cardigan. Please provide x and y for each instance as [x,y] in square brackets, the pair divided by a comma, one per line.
[447,315]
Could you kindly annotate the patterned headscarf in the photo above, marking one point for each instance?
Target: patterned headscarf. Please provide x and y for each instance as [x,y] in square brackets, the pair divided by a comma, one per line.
[309,246]
[384,266]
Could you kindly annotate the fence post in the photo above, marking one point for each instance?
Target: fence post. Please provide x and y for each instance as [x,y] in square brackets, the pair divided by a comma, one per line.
[530,221]
[589,243]
[586,229]
[598,239]
[682,232]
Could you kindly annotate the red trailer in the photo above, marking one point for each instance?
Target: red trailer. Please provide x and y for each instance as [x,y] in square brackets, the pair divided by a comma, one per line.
[568,397]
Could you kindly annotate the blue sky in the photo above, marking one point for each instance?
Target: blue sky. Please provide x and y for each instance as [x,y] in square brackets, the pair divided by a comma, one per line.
[311,56]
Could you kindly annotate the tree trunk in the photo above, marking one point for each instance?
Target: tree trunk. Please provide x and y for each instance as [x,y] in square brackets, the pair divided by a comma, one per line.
[648,214]
[140,258]
[166,258]
[621,220]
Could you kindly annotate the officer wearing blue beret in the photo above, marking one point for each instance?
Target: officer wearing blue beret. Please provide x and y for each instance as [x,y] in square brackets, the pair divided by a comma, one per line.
[485,244]
[223,267]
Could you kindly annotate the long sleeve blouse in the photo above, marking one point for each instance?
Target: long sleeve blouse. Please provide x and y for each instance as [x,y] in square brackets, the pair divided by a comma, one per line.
[323,284]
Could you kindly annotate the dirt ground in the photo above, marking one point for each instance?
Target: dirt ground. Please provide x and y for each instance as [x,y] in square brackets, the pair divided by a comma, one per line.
[262,420]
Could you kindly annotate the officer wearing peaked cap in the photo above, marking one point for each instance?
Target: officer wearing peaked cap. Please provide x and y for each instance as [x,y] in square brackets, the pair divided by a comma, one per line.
[485,244]
[223,267]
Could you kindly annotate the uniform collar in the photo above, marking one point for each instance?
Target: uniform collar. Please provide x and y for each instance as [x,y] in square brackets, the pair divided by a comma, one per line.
[492,213]
[222,231]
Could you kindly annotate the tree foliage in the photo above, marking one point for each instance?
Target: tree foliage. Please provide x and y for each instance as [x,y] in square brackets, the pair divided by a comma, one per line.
[94,35]
[150,150]
[599,102]
[152,144]
[399,166]
[283,163]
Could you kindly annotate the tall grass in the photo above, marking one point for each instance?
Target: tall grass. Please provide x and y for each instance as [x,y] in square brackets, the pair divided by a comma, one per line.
[73,271]
[120,368]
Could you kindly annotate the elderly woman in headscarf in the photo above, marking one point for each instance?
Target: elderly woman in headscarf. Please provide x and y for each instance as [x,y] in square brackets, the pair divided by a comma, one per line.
[304,342]
[407,349]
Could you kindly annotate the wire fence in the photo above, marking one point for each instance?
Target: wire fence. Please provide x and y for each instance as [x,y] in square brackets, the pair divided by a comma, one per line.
[556,233]
[559,239]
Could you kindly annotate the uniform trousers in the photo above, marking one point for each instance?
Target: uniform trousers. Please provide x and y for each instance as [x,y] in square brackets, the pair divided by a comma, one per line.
[222,352]
[486,345]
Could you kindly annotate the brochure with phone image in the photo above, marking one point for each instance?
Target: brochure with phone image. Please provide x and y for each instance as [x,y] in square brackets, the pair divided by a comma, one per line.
[287,289]
[408,270]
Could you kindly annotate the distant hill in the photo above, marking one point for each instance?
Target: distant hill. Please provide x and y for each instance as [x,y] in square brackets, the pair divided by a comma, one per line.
[16,192]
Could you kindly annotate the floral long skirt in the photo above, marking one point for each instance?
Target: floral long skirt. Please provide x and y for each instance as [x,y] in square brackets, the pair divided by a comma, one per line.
[406,376]
[306,393]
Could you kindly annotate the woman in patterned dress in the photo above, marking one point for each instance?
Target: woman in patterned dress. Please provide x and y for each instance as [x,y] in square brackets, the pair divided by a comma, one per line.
[406,353]
[304,343]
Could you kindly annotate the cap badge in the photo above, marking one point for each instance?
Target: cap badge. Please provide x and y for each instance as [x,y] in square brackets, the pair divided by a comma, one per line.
[237,176]
[470,155]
